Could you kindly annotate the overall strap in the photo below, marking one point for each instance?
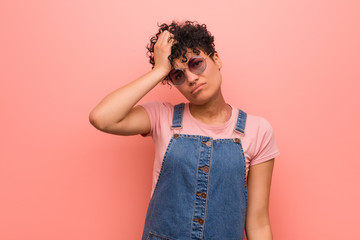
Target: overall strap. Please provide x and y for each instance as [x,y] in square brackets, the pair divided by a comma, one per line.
[240,124]
[177,117]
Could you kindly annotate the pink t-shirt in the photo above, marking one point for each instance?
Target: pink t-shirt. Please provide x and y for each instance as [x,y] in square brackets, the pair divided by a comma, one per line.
[258,142]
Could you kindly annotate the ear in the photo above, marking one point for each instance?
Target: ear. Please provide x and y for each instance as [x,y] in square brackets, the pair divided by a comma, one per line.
[217,60]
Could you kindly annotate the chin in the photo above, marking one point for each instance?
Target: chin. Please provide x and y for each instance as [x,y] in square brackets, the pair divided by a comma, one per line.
[201,97]
[199,100]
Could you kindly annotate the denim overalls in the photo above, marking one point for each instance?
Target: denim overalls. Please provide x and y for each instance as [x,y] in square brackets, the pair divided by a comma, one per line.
[201,191]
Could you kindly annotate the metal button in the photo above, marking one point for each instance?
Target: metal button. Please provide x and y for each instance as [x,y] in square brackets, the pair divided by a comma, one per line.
[205,168]
[208,143]
[199,220]
[176,135]
[237,140]
[203,194]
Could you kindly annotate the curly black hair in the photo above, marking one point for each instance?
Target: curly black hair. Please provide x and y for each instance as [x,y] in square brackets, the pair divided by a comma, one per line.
[188,35]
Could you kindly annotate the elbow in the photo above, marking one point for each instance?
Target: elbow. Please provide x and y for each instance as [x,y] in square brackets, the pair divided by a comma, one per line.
[96,121]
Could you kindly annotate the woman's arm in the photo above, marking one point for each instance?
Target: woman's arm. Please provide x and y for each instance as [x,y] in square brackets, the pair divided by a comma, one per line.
[257,225]
[116,113]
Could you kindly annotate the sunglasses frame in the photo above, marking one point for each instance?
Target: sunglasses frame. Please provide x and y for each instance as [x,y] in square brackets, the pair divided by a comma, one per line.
[183,69]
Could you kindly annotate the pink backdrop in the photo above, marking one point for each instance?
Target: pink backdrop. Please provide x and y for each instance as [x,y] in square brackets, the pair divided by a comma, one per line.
[296,63]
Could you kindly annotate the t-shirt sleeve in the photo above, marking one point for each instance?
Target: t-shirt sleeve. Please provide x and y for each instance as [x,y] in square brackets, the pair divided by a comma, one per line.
[266,147]
[157,112]
[153,111]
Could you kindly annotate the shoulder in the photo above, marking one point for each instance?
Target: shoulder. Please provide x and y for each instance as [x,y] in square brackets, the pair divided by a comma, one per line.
[163,106]
[159,112]
[257,126]
[158,109]
[261,139]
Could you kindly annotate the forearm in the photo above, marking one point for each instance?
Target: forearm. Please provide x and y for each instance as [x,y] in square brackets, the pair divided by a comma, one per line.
[257,225]
[115,106]
[259,233]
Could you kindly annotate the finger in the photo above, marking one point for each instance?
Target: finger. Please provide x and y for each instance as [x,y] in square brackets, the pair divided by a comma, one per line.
[171,38]
[160,40]
[162,37]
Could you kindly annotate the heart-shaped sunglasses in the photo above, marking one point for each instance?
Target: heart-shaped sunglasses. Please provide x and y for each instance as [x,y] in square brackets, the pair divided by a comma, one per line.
[196,65]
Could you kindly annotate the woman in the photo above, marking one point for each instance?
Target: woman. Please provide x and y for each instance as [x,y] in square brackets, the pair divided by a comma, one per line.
[213,162]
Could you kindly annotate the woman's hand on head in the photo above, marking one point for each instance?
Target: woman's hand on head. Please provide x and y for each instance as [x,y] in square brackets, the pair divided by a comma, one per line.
[162,50]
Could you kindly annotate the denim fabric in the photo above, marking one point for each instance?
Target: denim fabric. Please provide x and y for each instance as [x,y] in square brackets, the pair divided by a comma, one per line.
[201,190]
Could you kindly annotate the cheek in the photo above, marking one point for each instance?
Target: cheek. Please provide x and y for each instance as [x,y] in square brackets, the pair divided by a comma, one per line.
[181,90]
[215,75]
[186,93]
[212,68]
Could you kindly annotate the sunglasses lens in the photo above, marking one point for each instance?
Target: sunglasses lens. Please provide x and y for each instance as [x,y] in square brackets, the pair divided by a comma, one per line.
[177,76]
[197,65]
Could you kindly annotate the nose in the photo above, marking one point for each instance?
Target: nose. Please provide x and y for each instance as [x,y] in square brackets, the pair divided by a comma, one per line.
[191,77]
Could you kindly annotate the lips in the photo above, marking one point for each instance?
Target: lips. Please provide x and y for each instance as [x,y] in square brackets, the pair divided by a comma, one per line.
[197,88]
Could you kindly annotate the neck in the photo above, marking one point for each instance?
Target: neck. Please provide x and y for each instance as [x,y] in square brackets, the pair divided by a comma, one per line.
[213,112]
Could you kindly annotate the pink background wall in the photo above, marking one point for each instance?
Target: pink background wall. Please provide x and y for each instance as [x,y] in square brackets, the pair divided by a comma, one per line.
[296,63]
